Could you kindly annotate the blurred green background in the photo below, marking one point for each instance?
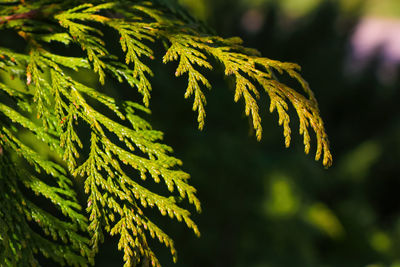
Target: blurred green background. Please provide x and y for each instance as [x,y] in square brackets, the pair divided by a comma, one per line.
[264,205]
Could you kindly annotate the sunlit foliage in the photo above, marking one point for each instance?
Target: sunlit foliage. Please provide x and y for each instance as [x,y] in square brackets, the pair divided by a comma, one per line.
[122,148]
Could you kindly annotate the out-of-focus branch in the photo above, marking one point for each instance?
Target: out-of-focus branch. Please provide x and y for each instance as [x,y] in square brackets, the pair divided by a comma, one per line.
[27,15]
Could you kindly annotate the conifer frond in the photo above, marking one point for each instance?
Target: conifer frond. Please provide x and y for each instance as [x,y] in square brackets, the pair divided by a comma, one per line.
[17,212]
[188,55]
[57,108]
[131,39]
[250,71]
[86,36]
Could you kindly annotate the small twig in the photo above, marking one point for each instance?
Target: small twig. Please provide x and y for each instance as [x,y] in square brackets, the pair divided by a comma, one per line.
[26,15]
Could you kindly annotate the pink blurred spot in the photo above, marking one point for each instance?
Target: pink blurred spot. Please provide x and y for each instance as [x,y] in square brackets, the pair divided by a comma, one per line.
[376,38]
[252,21]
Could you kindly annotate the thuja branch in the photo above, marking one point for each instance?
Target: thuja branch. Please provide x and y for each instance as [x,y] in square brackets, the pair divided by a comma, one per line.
[123,148]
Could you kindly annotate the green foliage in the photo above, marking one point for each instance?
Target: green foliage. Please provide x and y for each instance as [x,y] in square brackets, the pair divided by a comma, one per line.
[55,106]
